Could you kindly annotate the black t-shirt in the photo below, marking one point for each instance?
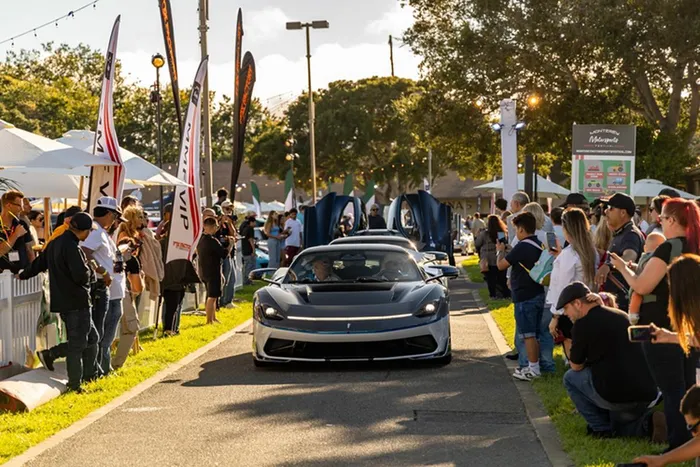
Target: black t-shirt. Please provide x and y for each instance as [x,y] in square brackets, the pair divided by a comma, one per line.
[376,222]
[620,372]
[626,238]
[209,254]
[657,311]
[246,247]
[524,254]
[20,247]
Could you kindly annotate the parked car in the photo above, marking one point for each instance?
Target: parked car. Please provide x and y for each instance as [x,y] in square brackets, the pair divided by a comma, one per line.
[465,243]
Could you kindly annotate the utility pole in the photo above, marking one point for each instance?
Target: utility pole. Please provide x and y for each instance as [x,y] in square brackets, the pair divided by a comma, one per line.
[430,168]
[206,124]
[509,148]
[312,116]
[391,54]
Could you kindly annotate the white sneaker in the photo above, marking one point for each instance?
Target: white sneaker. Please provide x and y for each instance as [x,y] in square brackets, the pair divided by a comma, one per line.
[525,374]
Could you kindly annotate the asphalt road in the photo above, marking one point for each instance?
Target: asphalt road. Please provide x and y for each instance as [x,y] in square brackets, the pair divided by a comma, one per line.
[219,410]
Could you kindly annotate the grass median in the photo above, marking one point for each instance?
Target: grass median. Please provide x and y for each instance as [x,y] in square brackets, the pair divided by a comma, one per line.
[20,431]
[583,450]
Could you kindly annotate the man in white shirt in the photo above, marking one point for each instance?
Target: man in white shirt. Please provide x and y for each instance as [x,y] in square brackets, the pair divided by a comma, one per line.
[292,230]
[108,292]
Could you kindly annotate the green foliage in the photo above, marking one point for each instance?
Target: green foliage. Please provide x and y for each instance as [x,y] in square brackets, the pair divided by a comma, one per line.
[591,61]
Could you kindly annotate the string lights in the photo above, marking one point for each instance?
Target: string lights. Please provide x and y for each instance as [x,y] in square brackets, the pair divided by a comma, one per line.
[70,14]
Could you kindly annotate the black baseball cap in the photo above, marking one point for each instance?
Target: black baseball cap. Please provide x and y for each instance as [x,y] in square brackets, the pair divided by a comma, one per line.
[574,291]
[574,199]
[72,211]
[81,221]
[622,201]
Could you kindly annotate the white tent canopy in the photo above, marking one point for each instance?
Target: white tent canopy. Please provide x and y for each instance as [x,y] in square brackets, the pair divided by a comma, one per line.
[20,148]
[545,188]
[648,188]
[138,170]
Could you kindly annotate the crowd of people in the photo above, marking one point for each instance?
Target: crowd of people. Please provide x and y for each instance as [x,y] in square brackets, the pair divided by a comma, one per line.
[622,296]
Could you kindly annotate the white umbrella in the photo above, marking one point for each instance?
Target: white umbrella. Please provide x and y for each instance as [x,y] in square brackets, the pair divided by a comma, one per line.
[648,188]
[545,188]
[273,206]
[20,148]
[138,170]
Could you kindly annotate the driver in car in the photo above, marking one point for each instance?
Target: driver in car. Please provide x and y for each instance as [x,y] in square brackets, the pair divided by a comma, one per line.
[392,269]
[322,270]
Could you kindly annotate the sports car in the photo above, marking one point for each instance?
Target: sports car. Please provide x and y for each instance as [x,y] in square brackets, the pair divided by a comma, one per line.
[344,303]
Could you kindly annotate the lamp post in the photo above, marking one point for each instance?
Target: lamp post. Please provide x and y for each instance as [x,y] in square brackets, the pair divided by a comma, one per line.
[298,25]
[158,61]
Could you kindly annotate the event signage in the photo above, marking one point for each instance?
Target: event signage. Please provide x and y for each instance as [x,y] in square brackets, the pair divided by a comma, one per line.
[237,54]
[107,180]
[166,18]
[603,159]
[186,222]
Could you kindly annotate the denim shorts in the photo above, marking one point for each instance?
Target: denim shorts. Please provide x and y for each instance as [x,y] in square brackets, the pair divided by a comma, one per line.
[528,315]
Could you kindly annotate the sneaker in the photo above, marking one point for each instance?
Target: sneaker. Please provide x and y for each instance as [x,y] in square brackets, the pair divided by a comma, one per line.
[525,374]
[512,355]
[659,429]
[44,357]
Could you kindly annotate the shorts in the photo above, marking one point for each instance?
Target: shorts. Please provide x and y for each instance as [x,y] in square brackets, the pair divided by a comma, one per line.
[213,288]
[528,315]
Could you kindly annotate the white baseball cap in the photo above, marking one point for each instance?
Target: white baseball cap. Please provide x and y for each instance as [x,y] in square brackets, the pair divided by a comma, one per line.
[107,202]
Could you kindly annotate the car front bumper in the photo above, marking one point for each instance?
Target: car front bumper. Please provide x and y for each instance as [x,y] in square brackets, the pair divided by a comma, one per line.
[426,341]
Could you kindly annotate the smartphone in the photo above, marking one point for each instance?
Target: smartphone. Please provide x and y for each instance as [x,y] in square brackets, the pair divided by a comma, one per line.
[501,237]
[552,240]
[639,333]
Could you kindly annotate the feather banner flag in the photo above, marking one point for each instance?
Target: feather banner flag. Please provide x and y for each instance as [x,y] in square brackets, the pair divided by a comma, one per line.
[256,198]
[107,180]
[289,191]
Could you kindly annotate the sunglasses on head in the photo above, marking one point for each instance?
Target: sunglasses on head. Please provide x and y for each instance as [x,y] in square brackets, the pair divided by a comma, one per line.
[693,427]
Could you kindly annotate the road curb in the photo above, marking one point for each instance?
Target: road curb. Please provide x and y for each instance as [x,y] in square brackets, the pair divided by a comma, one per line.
[539,419]
[33,452]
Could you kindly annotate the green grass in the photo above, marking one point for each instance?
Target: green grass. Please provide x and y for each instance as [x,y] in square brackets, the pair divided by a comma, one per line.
[20,431]
[583,450]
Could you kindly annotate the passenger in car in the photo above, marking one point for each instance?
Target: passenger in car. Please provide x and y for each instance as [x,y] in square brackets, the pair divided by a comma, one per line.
[322,269]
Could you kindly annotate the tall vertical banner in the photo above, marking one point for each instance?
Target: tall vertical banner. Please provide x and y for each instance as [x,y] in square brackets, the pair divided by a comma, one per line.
[107,180]
[166,19]
[245,94]
[256,198]
[237,54]
[289,202]
[349,185]
[186,223]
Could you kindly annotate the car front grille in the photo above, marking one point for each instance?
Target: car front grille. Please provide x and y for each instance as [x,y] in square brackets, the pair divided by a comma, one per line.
[284,348]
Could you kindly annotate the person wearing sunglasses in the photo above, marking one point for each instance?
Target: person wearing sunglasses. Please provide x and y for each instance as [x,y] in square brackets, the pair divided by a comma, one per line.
[375,220]
[654,214]
[36,226]
[690,408]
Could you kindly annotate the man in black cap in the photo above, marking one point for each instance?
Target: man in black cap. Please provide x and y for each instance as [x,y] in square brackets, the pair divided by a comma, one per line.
[576,200]
[69,280]
[609,381]
[627,242]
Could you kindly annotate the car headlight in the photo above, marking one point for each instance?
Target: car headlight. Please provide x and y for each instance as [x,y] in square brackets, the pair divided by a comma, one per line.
[429,308]
[265,312]
[272,313]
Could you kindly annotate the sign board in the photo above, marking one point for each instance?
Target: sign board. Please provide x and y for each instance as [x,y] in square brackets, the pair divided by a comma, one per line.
[603,159]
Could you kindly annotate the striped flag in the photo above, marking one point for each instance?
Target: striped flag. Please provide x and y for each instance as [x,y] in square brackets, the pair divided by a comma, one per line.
[107,180]
[256,198]
[348,186]
[289,191]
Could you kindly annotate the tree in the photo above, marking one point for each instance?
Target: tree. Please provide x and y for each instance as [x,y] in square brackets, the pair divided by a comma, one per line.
[592,61]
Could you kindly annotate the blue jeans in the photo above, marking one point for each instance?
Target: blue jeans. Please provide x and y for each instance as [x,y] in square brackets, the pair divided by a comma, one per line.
[112,321]
[81,348]
[546,343]
[629,419]
[248,266]
[230,280]
[100,305]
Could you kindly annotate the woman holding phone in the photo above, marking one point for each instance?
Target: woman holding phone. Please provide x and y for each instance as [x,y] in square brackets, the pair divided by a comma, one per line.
[576,262]
[673,371]
[485,244]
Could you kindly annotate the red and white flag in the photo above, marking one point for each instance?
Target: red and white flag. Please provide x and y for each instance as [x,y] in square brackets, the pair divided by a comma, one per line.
[186,222]
[107,180]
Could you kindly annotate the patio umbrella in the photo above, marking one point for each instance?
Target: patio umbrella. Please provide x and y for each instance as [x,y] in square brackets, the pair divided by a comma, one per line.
[20,148]
[648,188]
[545,188]
[138,169]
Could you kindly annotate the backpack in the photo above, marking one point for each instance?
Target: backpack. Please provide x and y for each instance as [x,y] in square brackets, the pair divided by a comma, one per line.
[542,270]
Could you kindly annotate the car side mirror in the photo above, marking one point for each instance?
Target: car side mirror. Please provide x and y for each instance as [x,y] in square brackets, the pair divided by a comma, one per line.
[262,275]
[446,271]
[437,255]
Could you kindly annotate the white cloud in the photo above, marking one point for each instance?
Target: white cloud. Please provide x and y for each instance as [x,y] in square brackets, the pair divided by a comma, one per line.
[394,22]
[265,24]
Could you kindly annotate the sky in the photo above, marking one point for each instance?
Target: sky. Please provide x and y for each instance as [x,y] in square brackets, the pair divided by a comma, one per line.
[355,46]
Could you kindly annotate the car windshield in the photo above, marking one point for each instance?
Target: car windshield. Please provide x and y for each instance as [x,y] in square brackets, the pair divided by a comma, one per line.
[346,266]
[398,241]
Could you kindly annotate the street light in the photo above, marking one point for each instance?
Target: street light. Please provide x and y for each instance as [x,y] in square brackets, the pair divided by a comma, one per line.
[297,25]
[158,61]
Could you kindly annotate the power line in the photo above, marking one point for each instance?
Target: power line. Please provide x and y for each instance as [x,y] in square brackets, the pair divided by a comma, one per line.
[70,14]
